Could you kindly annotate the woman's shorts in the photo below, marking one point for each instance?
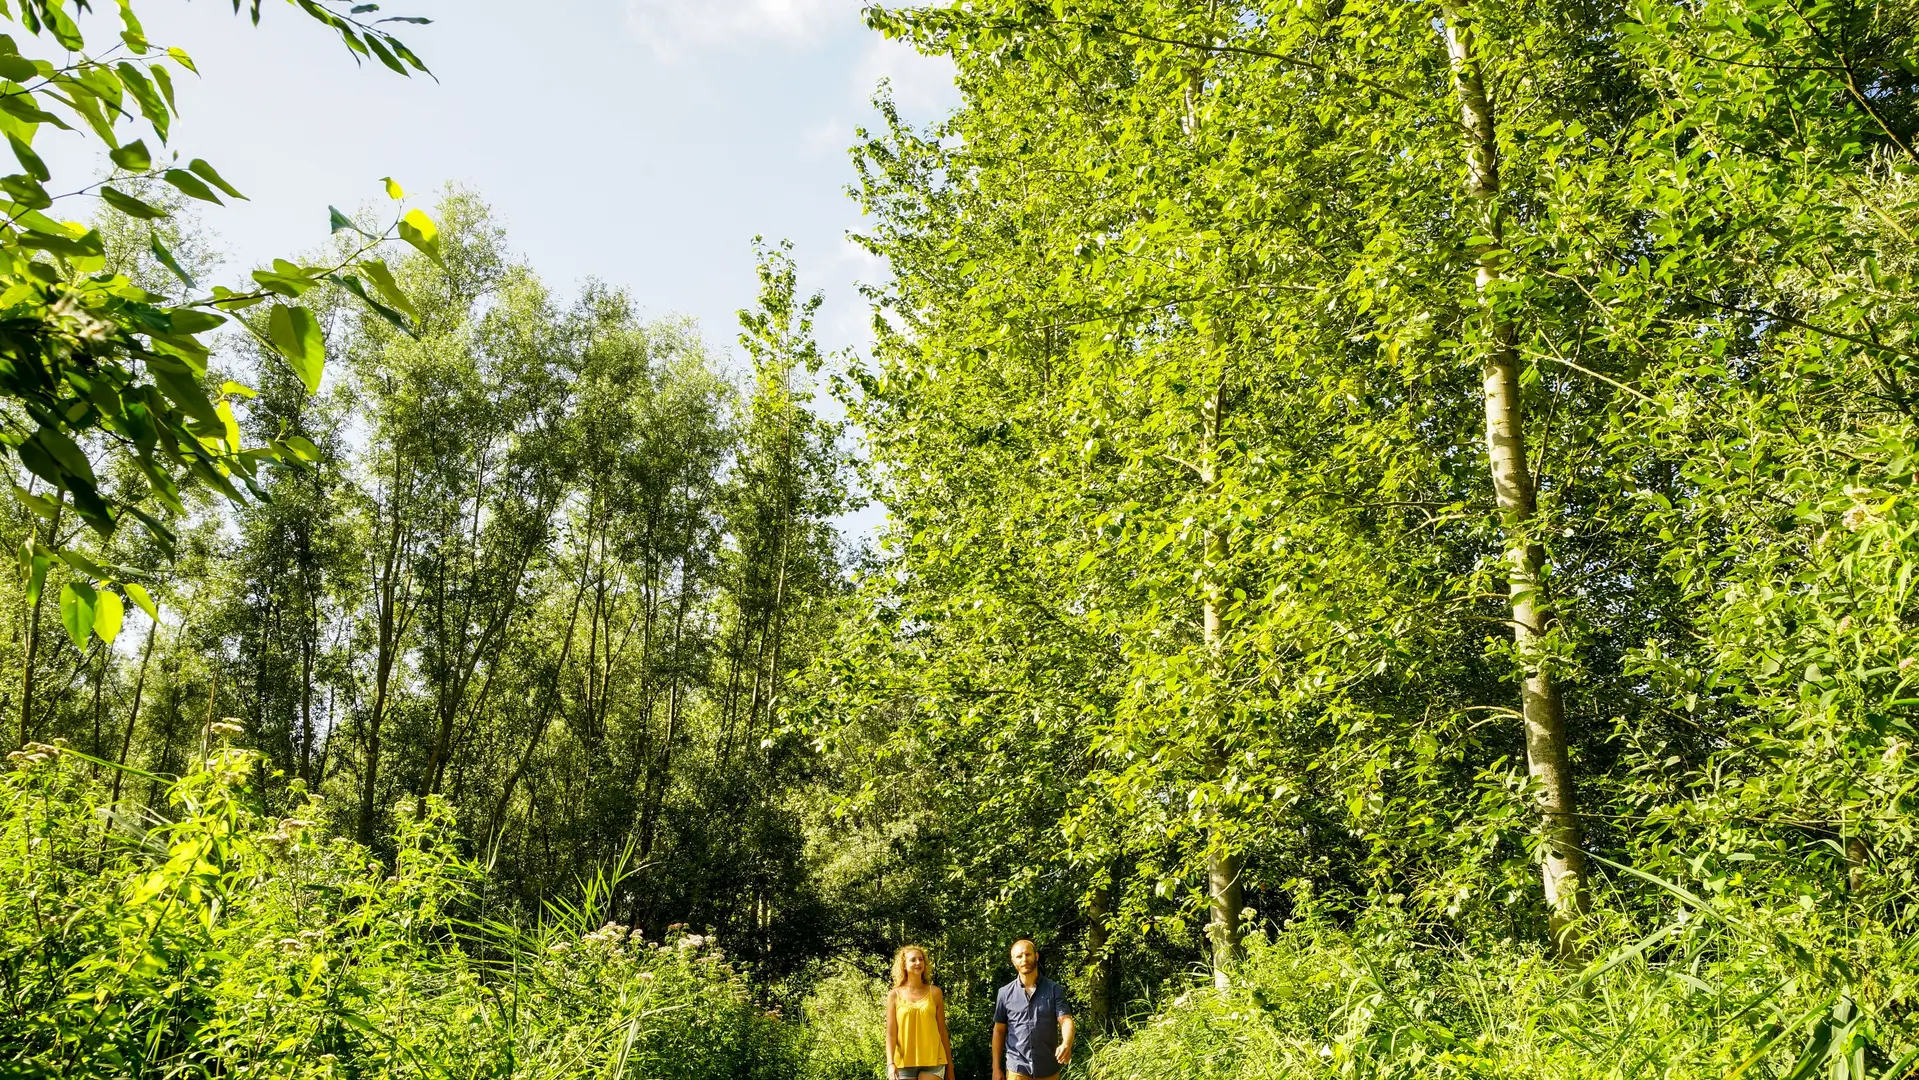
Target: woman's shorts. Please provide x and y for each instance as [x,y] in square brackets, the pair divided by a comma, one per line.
[919,1072]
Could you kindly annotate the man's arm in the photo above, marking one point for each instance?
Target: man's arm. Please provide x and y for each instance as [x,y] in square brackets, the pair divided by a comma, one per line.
[999,1052]
[1065,1054]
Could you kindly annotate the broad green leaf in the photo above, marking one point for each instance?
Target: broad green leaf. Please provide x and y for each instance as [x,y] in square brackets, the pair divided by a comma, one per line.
[393,188]
[225,409]
[139,595]
[194,321]
[82,563]
[29,160]
[152,105]
[382,278]
[37,578]
[108,614]
[129,205]
[340,222]
[191,185]
[77,599]
[418,229]
[132,157]
[296,334]
[206,172]
[303,447]
[26,191]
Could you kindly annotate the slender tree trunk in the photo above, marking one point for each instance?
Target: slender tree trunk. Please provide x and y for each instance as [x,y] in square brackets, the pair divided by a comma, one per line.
[99,746]
[546,710]
[1564,867]
[133,714]
[33,632]
[389,596]
[1223,860]
[1103,973]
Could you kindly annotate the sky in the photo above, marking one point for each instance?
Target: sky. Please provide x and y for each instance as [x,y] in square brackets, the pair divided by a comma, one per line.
[640,142]
[643,143]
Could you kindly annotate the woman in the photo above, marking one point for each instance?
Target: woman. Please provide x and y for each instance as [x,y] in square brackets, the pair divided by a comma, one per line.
[917,1043]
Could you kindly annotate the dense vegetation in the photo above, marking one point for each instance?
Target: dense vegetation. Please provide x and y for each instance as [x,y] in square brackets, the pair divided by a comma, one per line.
[1399,563]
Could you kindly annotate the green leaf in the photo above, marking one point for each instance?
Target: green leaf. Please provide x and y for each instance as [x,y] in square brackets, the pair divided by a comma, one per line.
[193,320]
[191,186]
[393,188]
[26,191]
[29,160]
[167,260]
[77,599]
[341,223]
[352,285]
[60,446]
[296,334]
[180,57]
[418,229]
[138,594]
[108,614]
[37,579]
[382,278]
[60,24]
[88,245]
[205,172]
[82,563]
[39,504]
[305,449]
[129,205]
[132,157]
[152,105]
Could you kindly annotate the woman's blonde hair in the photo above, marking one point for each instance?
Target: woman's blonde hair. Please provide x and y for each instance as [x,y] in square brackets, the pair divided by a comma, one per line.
[899,964]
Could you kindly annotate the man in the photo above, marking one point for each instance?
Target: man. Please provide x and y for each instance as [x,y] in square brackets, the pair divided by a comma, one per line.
[1032,1023]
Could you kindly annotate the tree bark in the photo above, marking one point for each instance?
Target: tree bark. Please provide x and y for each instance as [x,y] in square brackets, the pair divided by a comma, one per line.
[1548,760]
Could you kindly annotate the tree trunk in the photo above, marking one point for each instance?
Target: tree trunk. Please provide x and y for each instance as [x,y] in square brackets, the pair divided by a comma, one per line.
[33,633]
[1102,966]
[133,714]
[1564,869]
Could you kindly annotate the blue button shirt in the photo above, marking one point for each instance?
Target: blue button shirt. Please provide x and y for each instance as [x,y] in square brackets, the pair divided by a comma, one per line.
[1032,1025]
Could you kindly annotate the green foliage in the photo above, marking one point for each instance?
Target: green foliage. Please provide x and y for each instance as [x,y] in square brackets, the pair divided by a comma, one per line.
[1719,1001]
[225,941]
[93,363]
[844,1017]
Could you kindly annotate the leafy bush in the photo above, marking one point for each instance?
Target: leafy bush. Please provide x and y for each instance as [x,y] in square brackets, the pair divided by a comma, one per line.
[223,942]
[845,1024]
[1716,994]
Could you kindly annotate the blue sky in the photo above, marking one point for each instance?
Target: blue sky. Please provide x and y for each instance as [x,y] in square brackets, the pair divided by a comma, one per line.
[641,142]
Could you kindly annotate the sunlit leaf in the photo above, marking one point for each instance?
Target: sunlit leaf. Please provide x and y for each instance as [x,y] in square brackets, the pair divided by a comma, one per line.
[139,595]
[418,229]
[77,600]
[296,334]
[108,614]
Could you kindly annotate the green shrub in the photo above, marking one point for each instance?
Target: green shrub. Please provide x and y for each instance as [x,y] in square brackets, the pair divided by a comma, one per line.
[1726,994]
[224,943]
[845,1025]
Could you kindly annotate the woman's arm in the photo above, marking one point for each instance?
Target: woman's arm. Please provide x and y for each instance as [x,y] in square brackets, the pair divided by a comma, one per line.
[892,1032]
[939,1011]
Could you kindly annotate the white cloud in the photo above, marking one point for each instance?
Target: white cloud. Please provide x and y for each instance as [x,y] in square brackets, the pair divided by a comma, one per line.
[672,28]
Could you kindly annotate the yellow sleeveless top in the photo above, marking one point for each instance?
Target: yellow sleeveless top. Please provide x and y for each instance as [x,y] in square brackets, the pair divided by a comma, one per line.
[919,1033]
